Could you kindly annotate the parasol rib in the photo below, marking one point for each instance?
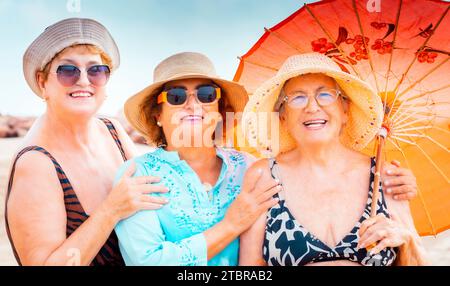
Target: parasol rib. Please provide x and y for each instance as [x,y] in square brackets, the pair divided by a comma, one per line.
[330,37]
[414,59]
[419,193]
[284,40]
[397,19]
[365,46]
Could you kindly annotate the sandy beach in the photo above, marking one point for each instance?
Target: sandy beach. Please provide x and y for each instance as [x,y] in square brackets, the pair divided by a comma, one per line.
[438,248]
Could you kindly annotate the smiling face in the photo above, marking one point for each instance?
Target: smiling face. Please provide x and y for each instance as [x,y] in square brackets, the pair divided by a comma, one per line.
[80,99]
[313,124]
[190,124]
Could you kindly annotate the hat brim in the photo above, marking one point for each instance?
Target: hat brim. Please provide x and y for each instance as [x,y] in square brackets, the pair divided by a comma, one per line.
[235,93]
[364,114]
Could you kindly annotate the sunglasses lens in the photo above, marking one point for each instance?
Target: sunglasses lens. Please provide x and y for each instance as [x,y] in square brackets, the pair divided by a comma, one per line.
[206,94]
[176,96]
[98,75]
[68,75]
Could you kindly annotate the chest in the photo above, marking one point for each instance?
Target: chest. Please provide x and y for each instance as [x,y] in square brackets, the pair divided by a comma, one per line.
[192,208]
[328,207]
[91,176]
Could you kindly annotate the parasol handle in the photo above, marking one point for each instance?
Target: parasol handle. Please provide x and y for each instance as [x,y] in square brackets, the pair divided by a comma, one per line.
[376,191]
[379,162]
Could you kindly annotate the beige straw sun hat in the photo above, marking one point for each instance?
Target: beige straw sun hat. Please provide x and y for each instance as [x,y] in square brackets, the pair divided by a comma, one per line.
[365,112]
[186,65]
[61,35]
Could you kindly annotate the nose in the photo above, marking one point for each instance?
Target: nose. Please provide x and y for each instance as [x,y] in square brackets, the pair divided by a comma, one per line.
[312,105]
[192,101]
[83,80]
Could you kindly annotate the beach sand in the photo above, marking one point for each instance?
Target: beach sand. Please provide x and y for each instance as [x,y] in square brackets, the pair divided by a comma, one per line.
[438,249]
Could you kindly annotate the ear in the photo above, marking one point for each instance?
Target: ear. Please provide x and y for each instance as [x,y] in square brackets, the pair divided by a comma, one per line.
[345,108]
[40,78]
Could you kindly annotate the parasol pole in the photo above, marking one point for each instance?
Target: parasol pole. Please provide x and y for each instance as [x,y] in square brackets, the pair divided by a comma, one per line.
[381,137]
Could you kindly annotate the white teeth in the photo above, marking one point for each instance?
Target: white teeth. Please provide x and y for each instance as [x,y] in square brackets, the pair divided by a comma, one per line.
[315,122]
[192,117]
[81,94]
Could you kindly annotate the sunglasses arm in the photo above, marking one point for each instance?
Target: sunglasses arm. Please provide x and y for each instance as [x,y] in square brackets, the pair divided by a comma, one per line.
[162,97]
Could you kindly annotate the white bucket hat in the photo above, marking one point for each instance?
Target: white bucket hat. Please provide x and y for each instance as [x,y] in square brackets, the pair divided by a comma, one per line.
[365,112]
[61,35]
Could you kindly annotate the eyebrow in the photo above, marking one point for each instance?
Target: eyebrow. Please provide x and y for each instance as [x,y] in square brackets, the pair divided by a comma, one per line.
[302,91]
[198,86]
[91,63]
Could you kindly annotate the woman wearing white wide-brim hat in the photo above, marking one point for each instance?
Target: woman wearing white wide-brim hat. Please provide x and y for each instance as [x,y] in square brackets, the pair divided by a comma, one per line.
[323,216]
[61,208]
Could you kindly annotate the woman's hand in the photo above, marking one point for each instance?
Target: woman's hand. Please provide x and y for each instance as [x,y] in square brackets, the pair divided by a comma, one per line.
[398,182]
[383,232]
[254,199]
[132,194]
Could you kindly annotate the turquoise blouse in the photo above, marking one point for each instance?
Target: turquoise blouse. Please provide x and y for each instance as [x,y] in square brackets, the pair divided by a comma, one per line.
[173,235]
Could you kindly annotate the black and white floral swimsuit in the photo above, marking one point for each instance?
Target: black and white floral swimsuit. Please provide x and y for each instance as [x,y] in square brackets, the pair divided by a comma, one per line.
[286,242]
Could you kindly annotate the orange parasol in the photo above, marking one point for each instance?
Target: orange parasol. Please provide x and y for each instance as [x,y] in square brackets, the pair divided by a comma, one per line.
[400,47]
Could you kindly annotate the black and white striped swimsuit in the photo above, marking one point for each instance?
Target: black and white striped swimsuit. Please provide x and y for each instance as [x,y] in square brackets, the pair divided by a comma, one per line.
[286,242]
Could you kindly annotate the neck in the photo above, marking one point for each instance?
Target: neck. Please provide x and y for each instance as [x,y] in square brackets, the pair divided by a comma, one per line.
[322,156]
[197,156]
[69,131]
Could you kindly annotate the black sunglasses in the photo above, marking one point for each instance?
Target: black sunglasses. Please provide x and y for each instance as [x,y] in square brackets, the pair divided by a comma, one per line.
[206,94]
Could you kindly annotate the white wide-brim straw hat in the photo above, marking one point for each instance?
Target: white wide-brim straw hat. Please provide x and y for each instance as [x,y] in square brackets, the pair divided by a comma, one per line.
[186,65]
[61,35]
[365,113]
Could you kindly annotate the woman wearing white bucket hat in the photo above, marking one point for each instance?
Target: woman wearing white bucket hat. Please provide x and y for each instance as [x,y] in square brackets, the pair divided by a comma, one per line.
[323,217]
[206,212]
[61,208]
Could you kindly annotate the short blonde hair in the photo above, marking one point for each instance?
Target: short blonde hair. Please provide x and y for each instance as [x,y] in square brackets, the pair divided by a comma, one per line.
[106,60]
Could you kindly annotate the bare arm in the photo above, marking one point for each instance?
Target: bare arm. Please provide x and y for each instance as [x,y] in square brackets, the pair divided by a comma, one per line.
[251,241]
[251,244]
[250,205]
[37,215]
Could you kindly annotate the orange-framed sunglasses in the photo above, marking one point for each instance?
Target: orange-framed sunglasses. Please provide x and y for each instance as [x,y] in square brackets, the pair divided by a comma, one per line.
[206,94]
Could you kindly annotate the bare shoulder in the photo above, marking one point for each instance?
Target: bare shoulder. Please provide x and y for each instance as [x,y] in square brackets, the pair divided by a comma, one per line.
[127,143]
[259,166]
[42,227]
[35,179]
[260,169]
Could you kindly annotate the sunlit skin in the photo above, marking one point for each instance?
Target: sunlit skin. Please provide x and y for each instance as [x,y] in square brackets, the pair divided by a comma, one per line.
[58,97]
[191,121]
[334,114]
[325,184]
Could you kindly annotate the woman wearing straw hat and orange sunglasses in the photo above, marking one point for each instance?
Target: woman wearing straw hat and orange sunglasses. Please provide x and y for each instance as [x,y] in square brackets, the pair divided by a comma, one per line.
[323,217]
[204,216]
[61,208]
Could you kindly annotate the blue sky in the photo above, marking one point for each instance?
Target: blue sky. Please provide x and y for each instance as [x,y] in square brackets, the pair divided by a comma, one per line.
[146,31]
